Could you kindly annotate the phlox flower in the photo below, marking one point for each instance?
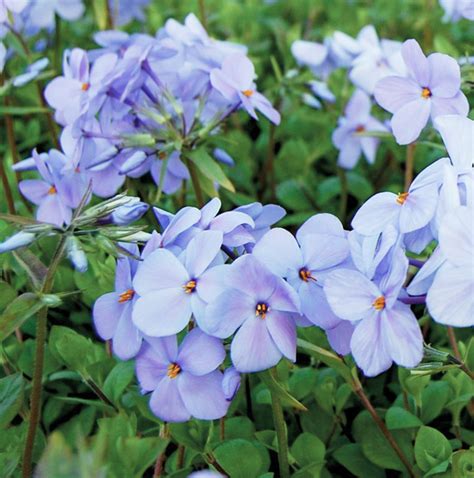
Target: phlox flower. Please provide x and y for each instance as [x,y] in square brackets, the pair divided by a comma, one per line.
[41,13]
[52,194]
[18,240]
[432,88]
[264,216]
[407,212]
[454,10]
[450,299]
[15,6]
[171,290]
[260,306]
[82,89]
[112,312]
[185,381]
[234,225]
[386,330]
[356,119]
[124,11]
[235,81]
[376,60]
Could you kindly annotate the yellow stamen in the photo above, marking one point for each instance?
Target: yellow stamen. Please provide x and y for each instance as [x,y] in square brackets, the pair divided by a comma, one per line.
[190,286]
[126,296]
[426,93]
[379,303]
[402,197]
[52,190]
[247,93]
[306,275]
[85,86]
[173,370]
[262,310]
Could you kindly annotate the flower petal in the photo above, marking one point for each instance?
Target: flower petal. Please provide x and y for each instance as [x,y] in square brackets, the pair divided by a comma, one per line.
[410,119]
[166,402]
[200,354]
[162,312]
[253,349]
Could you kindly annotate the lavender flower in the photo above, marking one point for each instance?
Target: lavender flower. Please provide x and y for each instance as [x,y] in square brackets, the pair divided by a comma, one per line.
[345,137]
[51,194]
[386,330]
[431,89]
[235,81]
[112,312]
[170,288]
[41,14]
[450,298]
[261,306]
[185,381]
[454,10]
[15,6]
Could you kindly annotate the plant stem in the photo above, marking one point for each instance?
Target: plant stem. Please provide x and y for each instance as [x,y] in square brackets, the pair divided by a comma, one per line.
[195,181]
[344,194]
[359,391]
[409,165]
[6,188]
[180,457]
[41,332]
[202,13]
[454,344]
[222,429]
[280,428]
[57,42]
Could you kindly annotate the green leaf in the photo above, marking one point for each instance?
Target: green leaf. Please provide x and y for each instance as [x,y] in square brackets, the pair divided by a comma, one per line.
[11,398]
[241,459]
[239,427]
[193,434]
[118,380]
[210,168]
[398,418]
[351,457]
[433,399]
[35,269]
[277,388]
[74,350]
[292,194]
[463,463]
[308,449]
[7,294]
[376,447]
[19,310]
[22,110]
[431,448]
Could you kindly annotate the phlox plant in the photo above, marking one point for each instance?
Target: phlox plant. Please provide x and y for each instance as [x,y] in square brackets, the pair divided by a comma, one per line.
[200,276]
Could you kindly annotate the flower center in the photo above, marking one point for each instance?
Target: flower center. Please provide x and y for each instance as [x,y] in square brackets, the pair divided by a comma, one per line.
[306,275]
[247,93]
[190,286]
[85,86]
[379,303]
[161,155]
[126,296]
[173,370]
[360,129]
[402,197]
[52,190]
[426,93]
[261,310]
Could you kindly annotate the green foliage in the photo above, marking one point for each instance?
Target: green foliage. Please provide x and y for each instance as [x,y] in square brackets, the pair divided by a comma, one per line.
[95,421]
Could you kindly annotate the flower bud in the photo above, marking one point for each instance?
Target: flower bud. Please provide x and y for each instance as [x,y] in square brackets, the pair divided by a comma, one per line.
[129,212]
[20,239]
[75,254]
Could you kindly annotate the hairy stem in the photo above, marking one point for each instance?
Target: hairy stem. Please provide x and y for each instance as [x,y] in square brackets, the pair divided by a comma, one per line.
[195,181]
[344,194]
[280,428]
[454,344]
[359,391]
[41,332]
[409,165]
[202,13]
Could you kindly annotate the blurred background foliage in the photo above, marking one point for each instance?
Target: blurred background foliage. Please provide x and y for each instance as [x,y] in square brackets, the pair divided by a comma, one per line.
[96,423]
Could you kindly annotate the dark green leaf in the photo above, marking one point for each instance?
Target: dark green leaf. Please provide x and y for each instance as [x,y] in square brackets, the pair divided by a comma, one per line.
[11,397]
[431,448]
[210,168]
